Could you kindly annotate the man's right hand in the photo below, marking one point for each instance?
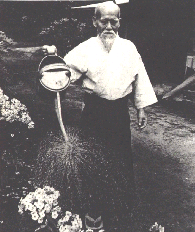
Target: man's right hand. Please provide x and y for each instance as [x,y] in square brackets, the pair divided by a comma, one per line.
[49,50]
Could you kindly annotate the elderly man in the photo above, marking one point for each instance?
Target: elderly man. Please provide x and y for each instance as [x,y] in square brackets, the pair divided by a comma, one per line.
[111,69]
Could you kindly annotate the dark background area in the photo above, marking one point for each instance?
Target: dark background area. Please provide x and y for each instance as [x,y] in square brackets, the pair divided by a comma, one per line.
[162,30]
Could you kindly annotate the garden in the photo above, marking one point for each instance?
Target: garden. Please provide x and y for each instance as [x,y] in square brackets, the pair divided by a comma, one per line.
[41,189]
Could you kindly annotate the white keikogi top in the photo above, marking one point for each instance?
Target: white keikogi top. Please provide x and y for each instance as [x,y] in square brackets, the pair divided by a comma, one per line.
[111,75]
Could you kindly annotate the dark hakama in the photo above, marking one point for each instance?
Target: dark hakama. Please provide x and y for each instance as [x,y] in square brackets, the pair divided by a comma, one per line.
[112,189]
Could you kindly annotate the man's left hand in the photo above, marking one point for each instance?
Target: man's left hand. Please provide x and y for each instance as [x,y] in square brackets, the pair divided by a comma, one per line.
[142,118]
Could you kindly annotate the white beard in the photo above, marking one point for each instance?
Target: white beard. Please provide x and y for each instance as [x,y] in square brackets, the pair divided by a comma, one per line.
[108,41]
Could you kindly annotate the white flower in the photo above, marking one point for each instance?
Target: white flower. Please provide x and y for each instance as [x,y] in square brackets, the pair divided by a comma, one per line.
[47,208]
[55,202]
[80,223]
[39,205]
[29,197]
[7,104]
[66,218]
[30,207]
[35,216]
[39,191]
[49,200]
[6,98]
[15,101]
[66,228]
[42,214]
[46,188]
[56,194]
[40,220]
[60,222]
[49,189]
[31,125]
[57,208]
[20,210]
[68,213]
[54,214]
[74,225]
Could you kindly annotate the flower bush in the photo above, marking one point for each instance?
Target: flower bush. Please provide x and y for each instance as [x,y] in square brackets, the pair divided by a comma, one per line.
[70,222]
[42,205]
[156,228]
[13,110]
[5,41]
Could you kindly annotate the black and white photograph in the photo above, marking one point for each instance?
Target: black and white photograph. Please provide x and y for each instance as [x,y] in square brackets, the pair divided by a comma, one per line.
[97,116]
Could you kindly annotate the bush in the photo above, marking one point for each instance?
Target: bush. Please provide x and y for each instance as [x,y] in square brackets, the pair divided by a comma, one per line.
[65,33]
[5,42]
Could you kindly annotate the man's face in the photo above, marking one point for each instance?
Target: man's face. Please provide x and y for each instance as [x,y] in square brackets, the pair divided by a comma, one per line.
[107,23]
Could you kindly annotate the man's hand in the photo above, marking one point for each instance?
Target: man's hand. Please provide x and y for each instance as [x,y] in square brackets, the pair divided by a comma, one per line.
[142,118]
[49,50]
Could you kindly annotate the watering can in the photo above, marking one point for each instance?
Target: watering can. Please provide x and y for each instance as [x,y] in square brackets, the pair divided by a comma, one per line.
[54,75]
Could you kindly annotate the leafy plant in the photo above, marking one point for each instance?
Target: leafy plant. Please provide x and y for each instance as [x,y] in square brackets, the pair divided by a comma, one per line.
[5,41]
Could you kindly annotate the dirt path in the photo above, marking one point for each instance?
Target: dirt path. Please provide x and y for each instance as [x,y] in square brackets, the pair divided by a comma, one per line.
[164,161]
[165,170]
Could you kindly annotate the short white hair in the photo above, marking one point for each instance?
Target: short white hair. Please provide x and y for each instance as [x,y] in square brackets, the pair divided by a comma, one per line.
[103,5]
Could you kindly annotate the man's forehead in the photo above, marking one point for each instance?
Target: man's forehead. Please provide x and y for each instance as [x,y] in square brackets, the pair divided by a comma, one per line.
[108,9]
[109,14]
